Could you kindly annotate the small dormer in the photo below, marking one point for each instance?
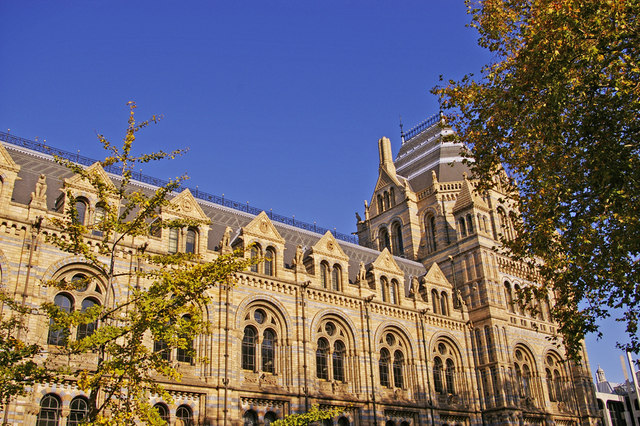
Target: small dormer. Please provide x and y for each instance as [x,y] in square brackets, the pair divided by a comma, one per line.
[190,238]
[438,290]
[387,279]
[470,211]
[261,239]
[90,206]
[330,264]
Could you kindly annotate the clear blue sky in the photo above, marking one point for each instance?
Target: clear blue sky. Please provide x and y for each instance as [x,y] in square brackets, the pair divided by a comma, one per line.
[280,102]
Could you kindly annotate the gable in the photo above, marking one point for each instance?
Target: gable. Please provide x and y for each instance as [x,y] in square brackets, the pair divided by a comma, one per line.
[328,246]
[79,182]
[435,276]
[385,262]
[6,162]
[186,206]
[262,227]
[385,179]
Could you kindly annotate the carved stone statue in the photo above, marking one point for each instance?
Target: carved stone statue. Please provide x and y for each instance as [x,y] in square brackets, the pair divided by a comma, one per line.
[298,258]
[39,197]
[362,274]
[225,243]
[414,291]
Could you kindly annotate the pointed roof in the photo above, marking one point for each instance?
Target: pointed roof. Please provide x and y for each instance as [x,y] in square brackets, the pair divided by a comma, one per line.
[185,205]
[6,161]
[262,227]
[385,178]
[468,197]
[328,246]
[385,262]
[80,182]
[435,276]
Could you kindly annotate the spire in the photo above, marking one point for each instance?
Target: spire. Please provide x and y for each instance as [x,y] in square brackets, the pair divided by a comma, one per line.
[386,160]
[600,375]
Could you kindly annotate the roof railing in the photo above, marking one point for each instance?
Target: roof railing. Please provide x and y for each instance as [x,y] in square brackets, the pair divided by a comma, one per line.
[139,176]
[421,127]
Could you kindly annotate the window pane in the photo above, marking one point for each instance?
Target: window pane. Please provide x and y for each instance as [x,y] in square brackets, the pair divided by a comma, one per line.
[398,362]
[338,361]
[383,366]
[184,413]
[269,262]
[163,411]
[249,349]
[190,243]
[85,330]
[56,336]
[335,278]
[268,351]
[173,240]
[49,411]
[161,347]
[79,408]
[437,376]
[322,361]
[449,375]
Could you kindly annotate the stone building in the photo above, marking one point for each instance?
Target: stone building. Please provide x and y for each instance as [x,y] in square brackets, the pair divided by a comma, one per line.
[417,324]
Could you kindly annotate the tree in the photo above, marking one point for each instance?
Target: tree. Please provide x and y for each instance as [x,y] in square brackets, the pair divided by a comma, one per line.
[314,415]
[18,367]
[164,295]
[558,107]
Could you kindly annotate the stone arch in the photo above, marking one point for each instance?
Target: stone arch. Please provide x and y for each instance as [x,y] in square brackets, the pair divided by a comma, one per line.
[400,329]
[339,317]
[449,338]
[273,303]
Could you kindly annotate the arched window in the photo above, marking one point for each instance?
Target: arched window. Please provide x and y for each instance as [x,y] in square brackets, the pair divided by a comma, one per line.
[98,218]
[339,351]
[392,196]
[444,303]
[333,340]
[343,421]
[322,359]
[398,364]
[479,346]
[380,205]
[255,254]
[268,351]
[85,330]
[190,242]
[430,231]
[163,411]
[444,369]
[392,369]
[336,274]
[393,292]
[173,240]
[184,354]
[523,366]
[550,385]
[463,227]
[49,410]
[437,375]
[155,228]
[250,418]
[383,239]
[160,347]
[398,244]
[489,342]
[81,211]
[270,417]
[470,224]
[384,288]
[260,342]
[387,202]
[59,336]
[184,414]
[269,261]
[390,423]
[78,409]
[383,366]
[324,274]
[555,373]
[435,301]
[508,294]
[449,377]
[249,349]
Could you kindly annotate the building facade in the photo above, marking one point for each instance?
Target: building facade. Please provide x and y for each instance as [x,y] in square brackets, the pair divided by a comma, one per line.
[418,324]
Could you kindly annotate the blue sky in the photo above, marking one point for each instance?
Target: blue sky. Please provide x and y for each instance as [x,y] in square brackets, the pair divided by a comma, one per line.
[281,103]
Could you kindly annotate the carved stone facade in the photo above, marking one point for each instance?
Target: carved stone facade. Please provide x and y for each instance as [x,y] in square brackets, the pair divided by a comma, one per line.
[416,326]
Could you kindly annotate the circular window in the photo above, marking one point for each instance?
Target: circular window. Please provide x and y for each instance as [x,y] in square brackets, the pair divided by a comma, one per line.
[259,316]
[77,280]
[330,328]
[442,348]
[390,339]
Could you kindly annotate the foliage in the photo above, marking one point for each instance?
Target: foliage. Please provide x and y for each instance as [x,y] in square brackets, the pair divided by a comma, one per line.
[164,294]
[18,369]
[316,414]
[558,107]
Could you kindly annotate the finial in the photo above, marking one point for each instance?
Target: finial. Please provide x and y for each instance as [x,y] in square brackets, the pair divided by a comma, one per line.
[401,130]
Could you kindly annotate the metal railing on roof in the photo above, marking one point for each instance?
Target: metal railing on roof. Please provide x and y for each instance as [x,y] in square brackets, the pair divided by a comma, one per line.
[421,127]
[244,207]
